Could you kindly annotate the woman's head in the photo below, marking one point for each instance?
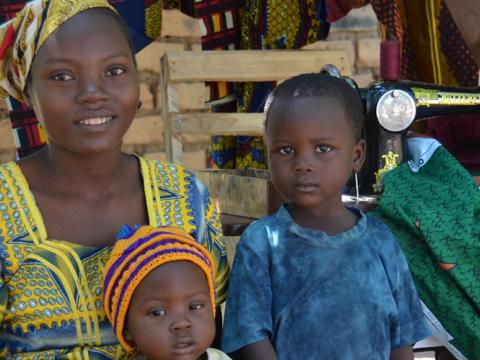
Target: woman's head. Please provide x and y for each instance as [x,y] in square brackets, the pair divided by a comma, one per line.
[78,72]
[313,134]
[159,293]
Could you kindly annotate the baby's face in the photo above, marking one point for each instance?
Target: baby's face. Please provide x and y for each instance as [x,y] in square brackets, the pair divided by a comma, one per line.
[170,315]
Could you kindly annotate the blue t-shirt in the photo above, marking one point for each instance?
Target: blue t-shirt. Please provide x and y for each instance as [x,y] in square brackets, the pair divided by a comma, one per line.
[314,296]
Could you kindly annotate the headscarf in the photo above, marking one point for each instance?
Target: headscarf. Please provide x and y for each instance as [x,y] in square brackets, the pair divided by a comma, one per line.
[21,37]
[139,251]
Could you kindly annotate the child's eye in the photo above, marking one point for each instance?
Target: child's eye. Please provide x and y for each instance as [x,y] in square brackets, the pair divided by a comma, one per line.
[286,150]
[323,148]
[62,77]
[115,71]
[158,312]
[196,306]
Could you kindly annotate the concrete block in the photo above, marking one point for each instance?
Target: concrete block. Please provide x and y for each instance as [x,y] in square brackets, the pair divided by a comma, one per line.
[149,57]
[368,53]
[177,24]
[335,45]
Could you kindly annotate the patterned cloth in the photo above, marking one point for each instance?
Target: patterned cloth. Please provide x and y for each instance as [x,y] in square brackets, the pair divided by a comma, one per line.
[51,297]
[314,296]
[435,215]
[267,24]
[143,20]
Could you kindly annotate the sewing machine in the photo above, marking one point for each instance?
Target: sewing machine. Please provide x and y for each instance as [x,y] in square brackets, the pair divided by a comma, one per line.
[390,108]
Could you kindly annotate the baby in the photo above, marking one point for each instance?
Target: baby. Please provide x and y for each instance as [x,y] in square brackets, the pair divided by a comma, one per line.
[160,295]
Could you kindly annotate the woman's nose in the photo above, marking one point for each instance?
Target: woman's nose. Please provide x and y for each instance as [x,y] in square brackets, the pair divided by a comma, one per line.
[92,91]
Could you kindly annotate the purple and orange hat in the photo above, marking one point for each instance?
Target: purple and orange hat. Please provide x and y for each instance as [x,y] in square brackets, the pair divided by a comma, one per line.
[137,252]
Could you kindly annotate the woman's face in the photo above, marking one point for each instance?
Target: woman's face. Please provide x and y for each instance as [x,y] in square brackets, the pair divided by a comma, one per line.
[83,85]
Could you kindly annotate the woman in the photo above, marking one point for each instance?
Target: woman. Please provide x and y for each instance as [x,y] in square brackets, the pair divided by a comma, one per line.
[61,207]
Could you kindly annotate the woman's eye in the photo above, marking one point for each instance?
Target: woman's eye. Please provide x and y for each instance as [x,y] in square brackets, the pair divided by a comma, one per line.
[62,77]
[286,150]
[323,148]
[158,312]
[115,71]
[197,306]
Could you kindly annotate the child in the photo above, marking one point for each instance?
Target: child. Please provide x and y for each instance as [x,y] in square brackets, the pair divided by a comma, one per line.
[160,296]
[317,280]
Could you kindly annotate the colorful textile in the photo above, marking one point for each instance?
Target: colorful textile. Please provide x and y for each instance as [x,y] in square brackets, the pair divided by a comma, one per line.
[267,24]
[21,38]
[138,252]
[314,296]
[143,20]
[51,291]
[435,215]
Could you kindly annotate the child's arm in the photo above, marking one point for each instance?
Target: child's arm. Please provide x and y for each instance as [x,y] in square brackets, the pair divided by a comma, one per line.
[403,353]
[262,350]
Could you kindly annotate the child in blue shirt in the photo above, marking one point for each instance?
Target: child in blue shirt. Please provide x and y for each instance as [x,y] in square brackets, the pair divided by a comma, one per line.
[317,280]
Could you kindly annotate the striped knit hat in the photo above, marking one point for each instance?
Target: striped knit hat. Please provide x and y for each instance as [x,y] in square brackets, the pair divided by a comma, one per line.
[137,252]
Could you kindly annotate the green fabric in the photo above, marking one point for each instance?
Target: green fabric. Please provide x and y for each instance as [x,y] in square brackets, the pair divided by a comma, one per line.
[435,215]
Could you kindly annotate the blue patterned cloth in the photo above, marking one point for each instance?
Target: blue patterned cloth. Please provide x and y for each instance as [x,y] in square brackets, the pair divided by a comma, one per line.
[348,296]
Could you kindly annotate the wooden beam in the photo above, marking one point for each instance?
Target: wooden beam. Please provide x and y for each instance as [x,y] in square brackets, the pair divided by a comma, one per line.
[250,65]
[219,123]
[466,14]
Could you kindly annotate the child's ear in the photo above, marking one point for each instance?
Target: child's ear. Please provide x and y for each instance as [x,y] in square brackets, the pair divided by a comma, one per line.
[359,152]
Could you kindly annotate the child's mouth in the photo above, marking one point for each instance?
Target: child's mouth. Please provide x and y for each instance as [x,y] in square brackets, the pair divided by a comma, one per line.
[183,346]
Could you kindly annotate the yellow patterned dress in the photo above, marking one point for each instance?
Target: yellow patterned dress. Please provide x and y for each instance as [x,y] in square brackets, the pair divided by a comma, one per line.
[51,290]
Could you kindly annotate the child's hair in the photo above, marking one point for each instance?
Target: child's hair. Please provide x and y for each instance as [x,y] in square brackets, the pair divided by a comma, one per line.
[137,252]
[320,85]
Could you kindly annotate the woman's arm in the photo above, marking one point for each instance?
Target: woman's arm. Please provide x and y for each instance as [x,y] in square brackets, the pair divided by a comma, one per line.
[403,353]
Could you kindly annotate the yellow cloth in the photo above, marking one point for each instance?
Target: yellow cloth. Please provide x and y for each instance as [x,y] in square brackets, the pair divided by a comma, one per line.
[21,37]
[51,291]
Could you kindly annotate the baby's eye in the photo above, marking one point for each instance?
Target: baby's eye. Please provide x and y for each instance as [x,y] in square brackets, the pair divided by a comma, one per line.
[158,312]
[323,148]
[286,150]
[196,306]
[115,71]
[62,77]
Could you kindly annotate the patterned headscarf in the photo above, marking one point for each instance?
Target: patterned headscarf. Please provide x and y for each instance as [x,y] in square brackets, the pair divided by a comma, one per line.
[138,252]
[21,38]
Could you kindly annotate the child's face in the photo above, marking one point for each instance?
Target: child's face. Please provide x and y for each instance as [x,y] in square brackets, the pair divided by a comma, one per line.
[311,151]
[83,84]
[170,315]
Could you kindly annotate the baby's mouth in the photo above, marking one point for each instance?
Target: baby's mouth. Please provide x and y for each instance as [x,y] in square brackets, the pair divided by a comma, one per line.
[183,345]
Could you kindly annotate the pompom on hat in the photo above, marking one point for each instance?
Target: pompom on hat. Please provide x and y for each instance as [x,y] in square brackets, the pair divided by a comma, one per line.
[137,252]
[21,37]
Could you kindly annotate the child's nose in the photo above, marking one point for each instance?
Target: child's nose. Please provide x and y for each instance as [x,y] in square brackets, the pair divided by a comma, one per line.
[303,163]
[180,323]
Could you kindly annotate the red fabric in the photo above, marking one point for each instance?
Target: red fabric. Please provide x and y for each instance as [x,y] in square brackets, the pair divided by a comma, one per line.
[460,134]
[7,41]
[337,9]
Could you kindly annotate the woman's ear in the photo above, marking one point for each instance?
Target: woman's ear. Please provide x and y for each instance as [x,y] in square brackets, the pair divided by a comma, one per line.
[26,95]
[359,152]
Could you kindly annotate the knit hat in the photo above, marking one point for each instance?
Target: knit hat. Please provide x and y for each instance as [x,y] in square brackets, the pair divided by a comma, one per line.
[21,37]
[137,252]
